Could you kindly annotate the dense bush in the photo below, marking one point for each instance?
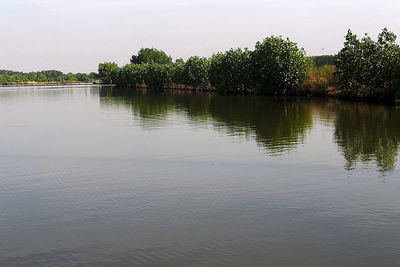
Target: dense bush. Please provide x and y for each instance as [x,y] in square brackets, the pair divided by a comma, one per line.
[229,71]
[178,70]
[368,68]
[321,81]
[130,75]
[363,68]
[157,76]
[278,66]
[108,72]
[195,72]
[275,66]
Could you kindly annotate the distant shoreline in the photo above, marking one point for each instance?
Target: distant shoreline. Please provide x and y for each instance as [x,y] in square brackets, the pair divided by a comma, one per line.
[45,84]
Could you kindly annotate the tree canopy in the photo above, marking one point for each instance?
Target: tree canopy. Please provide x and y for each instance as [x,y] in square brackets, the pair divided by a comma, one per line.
[229,70]
[275,66]
[368,68]
[108,71]
[151,55]
[278,66]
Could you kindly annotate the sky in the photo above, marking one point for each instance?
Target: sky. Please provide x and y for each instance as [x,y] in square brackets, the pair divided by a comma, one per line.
[75,35]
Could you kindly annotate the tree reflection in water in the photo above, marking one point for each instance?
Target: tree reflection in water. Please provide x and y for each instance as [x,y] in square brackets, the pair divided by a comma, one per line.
[278,124]
[367,133]
[364,133]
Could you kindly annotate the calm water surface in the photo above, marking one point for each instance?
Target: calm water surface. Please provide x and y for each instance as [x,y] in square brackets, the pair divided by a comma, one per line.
[93,176]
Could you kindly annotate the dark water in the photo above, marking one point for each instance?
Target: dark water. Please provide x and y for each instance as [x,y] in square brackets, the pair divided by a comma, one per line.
[91,176]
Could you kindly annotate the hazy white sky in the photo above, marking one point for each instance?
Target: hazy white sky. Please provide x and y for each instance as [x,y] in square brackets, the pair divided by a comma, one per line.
[75,35]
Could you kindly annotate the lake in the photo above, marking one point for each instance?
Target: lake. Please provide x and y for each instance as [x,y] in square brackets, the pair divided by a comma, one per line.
[100,176]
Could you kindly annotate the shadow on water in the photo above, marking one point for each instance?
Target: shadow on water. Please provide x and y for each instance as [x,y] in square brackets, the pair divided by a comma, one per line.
[368,133]
[364,133]
[278,125]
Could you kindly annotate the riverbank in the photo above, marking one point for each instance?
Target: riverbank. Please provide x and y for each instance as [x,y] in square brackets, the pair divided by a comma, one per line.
[276,66]
[45,84]
[330,92]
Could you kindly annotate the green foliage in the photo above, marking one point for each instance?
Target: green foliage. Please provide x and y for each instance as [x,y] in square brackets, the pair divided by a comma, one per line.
[108,71]
[94,76]
[70,77]
[320,61]
[368,68]
[364,68]
[278,66]
[195,72]
[131,75]
[229,71]
[151,55]
[52,74]
[7,77]
[8,72]
[157,76]
[178,70]
[82,77]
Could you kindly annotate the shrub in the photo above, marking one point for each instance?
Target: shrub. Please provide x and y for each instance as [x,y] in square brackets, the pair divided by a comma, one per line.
[157,76]
[321,80]
[278,66]
[195,72]
[368,68]
[108,71]
[178,69]
[131,75]
[229,72]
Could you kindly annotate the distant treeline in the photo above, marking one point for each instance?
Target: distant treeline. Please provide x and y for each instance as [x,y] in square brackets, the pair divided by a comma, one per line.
[364,68]
[10,77]
[320,61]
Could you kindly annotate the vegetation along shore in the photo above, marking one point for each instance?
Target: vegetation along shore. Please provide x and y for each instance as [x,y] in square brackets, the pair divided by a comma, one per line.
[47,77]
[364,68]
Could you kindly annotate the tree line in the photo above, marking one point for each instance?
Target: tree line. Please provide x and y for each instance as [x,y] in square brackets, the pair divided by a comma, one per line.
[264,70]
[363,68]
[10,77]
